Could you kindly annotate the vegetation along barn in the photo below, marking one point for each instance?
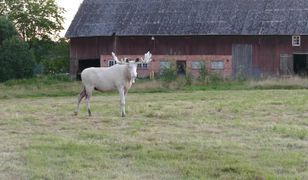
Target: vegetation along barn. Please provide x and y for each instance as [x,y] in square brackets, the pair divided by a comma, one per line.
[253,38]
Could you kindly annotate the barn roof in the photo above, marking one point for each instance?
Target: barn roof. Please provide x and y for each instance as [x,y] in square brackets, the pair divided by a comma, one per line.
[189,17]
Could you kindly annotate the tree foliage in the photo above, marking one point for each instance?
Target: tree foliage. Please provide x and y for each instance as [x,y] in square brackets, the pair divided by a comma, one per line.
[3,8]
[34,19]
[37,22]
[52,56]
[7,29]
[16,60]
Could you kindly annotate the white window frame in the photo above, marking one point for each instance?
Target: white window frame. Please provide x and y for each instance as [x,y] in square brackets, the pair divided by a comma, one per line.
[217,64]
[197,64]
[143,66]
[164,64]
[111,63]
[296,40]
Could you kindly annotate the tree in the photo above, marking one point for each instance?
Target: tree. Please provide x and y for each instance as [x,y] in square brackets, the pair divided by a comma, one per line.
[7,29]
[2,7]
[16,60]
[34,19]
[38,22]
[52,56]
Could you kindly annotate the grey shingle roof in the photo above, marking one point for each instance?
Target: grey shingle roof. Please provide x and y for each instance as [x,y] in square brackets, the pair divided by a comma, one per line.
[190,17]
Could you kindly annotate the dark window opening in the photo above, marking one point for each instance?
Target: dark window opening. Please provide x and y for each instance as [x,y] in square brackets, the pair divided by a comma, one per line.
[86,63]
[111,63]
[142,66]
[181,67]
[300,64]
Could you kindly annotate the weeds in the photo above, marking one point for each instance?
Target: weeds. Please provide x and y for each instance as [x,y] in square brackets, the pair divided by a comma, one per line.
[62,85]
[203,73]
[280,83]
[167,75]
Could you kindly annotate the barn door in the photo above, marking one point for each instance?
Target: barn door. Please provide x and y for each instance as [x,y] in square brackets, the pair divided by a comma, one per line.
[242,60]
[181,67]
[85,63]
[286,64]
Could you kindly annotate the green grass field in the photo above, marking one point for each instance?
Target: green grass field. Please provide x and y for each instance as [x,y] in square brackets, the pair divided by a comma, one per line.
[225,134]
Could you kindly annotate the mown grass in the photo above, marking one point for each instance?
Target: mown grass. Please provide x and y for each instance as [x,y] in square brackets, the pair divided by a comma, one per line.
[208,134]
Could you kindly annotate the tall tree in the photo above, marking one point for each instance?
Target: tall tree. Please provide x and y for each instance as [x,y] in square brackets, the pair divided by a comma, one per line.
[7,29]
[16,60]
[3,8]
[34,19]
[52,56]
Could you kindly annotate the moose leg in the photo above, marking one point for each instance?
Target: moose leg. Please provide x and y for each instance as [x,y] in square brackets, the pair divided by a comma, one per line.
[125,91]
[80,97]
[88,96]
[122,102]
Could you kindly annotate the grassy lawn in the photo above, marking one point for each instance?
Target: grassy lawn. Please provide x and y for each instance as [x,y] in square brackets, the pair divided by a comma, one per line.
[226,134]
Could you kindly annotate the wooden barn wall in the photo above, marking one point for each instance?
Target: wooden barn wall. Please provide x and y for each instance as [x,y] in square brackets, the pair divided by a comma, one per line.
[266,49]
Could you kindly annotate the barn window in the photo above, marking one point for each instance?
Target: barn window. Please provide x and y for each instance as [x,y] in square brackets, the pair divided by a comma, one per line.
[217,65]
[296,40]
[164,64]
[197,64]
[111,62]
[143,66]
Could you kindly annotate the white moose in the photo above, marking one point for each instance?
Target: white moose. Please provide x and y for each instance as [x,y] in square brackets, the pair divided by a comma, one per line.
[119,76]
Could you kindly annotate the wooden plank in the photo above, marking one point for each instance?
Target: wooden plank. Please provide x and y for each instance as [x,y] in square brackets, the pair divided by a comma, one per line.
[242,60]
[286,64]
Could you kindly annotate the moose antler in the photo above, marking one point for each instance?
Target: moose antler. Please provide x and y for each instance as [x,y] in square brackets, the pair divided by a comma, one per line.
[147,58]
[122,61]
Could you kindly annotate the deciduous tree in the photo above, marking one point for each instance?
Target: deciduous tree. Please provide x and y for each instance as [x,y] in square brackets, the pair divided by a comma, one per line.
[7,29]
[16,60]
[34,19]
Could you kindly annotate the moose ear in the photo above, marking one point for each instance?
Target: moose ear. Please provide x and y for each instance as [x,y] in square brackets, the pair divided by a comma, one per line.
[137,60]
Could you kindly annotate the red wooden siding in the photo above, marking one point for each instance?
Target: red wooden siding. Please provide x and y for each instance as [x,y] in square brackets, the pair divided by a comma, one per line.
[265,55]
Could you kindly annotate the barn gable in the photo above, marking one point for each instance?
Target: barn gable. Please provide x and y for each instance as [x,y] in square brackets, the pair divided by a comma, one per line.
[193,17]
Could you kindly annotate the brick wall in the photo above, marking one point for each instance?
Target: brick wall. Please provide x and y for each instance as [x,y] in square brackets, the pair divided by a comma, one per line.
[154,66]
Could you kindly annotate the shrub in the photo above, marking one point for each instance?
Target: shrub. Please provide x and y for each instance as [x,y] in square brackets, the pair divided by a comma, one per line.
[16,60]
[189,79]
[215,79]
[240,76]
[168,74]
[52,57]
[202,72]
[7,29]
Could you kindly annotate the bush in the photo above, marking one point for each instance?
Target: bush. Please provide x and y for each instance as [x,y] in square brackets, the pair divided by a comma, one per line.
[189,79]
[215,79]
[52,57]
[240,76]
[16,60]
[203,73]
[168,74]
[7,29]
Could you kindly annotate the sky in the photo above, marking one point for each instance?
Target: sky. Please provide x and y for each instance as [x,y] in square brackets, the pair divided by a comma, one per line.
[71,7]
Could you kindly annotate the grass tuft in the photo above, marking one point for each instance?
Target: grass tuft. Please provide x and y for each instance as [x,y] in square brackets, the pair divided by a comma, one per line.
[280,83]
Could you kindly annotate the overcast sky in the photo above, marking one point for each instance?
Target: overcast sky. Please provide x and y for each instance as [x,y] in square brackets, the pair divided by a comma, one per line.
[71,7]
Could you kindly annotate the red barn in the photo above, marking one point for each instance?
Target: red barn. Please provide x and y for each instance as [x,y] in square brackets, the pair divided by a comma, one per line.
[253,38]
